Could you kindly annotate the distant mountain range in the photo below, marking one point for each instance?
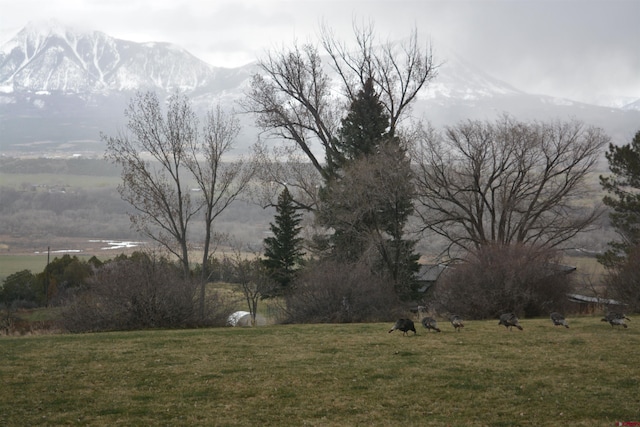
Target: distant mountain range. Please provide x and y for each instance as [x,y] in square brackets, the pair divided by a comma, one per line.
[60,87]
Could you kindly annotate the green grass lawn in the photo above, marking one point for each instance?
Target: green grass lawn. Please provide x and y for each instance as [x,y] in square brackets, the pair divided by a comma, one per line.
[326,375]
[10,264]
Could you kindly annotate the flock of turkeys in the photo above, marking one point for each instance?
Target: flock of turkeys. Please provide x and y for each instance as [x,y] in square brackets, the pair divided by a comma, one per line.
[508,320]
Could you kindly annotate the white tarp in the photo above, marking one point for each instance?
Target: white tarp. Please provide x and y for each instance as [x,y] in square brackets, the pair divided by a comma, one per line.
[243,318]
[233,319]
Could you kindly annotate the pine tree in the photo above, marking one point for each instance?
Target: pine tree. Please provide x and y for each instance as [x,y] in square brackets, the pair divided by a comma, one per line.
[365,126]
[368,200]
[283,254]
[623,187]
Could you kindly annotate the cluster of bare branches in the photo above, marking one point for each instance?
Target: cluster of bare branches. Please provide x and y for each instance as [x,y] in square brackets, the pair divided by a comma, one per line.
[161,157]
[496,279]
[335,292]
[506,182]
[294,97]
[144,291]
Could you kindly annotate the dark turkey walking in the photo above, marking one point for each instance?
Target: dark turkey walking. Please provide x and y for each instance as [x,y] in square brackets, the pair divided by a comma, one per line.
[559,320]
[509,320]
[404,325]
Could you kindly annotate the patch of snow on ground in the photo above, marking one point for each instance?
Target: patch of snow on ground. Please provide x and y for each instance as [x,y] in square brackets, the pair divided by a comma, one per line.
[62,251]
[117,244]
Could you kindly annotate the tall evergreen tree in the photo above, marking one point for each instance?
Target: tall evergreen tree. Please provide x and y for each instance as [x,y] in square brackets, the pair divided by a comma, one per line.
[623,188]
[283,254]
[368,199]
[363,129]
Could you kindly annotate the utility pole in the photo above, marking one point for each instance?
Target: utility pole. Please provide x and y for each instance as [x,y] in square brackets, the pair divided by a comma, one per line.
[46,281]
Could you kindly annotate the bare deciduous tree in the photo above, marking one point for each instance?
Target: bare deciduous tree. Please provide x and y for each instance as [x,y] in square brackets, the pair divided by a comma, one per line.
[162,156]
[506,182]
[294,99]
[152,157]
[251,277]
[369,207]
[220,182]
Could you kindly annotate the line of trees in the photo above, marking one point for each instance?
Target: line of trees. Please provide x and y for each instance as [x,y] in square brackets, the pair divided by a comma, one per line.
[481,187]
[360,170]
[60,278]
[364,182]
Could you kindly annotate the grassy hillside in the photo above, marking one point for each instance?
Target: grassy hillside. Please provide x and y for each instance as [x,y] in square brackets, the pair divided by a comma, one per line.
[326,375]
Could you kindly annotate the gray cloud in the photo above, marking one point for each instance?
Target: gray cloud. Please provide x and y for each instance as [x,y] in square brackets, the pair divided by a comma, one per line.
[571,48]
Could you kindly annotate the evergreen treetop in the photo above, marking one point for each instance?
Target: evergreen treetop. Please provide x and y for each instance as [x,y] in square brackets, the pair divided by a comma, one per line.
[623,188]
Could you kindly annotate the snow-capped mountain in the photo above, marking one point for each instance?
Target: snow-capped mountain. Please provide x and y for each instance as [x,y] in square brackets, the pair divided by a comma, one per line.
[53,57]
[635,105]
[457,79]
[61,87]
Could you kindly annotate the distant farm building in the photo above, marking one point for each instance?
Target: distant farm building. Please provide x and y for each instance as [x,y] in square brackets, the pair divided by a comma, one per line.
[428,275]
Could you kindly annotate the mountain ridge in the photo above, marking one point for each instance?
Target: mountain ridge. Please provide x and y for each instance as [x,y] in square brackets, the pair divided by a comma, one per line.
[61,87]
[59,59]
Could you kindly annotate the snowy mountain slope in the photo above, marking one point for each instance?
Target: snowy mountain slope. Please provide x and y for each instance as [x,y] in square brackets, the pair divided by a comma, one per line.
[635,105]
[457,79]
[53,57]
[61,87]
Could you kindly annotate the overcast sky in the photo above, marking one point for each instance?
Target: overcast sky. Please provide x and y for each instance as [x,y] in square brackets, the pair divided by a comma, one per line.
[579,49]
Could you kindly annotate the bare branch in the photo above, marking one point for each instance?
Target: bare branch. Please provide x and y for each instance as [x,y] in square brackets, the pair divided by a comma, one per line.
[506,182]
[162,155]
[294,97]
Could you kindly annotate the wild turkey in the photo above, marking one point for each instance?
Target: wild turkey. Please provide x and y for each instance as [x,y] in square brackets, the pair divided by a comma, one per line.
[616,319]
[509,320]
[457,322]
[559,320]
[430,323]
[404,325]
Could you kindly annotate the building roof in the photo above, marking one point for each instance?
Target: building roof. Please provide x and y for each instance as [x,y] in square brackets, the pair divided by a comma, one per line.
[428,275]
[430,272]
[583,299]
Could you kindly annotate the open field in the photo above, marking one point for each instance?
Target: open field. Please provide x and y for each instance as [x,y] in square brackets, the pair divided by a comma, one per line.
[327,375]
[26,180]
[10,264]
[17,254]
[91,207]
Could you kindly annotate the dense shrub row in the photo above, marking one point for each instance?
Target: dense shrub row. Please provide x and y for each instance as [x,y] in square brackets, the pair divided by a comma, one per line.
[140,292]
